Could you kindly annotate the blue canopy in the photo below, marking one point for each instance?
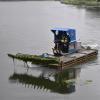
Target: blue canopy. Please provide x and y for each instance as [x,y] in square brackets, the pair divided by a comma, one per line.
[69,31]
[63,29]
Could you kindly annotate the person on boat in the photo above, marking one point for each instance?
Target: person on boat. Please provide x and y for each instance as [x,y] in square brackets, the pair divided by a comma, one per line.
[62,41]
[57,49]
[65,43]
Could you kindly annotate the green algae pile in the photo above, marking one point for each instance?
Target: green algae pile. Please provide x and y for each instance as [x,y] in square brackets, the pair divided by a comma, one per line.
[36,59]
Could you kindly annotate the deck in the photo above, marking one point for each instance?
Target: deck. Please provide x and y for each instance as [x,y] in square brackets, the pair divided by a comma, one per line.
[67,60]
[77,58]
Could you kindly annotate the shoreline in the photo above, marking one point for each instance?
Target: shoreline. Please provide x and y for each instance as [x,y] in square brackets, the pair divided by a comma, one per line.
[81,3]
[27,0]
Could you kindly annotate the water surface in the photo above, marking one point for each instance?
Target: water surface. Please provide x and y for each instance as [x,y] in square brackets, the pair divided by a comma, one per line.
[25,27]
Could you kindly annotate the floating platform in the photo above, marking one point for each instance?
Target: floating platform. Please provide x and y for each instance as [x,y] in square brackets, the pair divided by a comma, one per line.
[67,51]
[67,60]
[80,57]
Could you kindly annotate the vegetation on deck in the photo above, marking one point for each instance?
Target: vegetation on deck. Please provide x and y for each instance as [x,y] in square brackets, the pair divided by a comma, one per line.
[36,59]
[57,62]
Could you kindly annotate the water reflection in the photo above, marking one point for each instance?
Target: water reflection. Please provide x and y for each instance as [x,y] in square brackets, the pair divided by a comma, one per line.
[93,12]
[59,81]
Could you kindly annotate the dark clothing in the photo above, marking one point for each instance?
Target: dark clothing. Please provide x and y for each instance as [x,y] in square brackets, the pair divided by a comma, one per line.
[62,41]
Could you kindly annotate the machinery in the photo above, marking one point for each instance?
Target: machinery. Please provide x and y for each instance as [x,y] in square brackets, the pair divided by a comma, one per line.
[65,41]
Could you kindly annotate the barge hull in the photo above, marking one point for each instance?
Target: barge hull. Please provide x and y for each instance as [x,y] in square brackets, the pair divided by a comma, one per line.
[76,58]
[61,62]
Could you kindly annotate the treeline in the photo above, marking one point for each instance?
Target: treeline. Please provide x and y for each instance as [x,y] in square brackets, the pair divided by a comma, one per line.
[82,2]
[29,0]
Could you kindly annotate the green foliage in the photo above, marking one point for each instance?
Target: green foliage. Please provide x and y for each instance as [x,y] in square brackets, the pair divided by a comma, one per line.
[35,58]
[82,2]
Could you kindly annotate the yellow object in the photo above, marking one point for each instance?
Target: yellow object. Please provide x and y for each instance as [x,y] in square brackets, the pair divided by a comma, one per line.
[64,39]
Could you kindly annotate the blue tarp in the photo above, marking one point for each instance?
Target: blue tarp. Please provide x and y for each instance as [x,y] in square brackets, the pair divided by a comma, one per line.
[69,31]
[62,29]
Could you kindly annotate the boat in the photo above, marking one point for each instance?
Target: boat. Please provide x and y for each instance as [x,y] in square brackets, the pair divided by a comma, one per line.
[67,51]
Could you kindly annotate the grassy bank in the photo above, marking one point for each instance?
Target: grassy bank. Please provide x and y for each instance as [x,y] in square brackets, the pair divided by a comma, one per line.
[82,2]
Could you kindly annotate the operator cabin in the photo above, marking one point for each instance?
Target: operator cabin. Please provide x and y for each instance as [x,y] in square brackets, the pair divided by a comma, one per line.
[65,41]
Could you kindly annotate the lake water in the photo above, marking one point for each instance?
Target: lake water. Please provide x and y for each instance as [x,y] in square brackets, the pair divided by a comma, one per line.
[25,28]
